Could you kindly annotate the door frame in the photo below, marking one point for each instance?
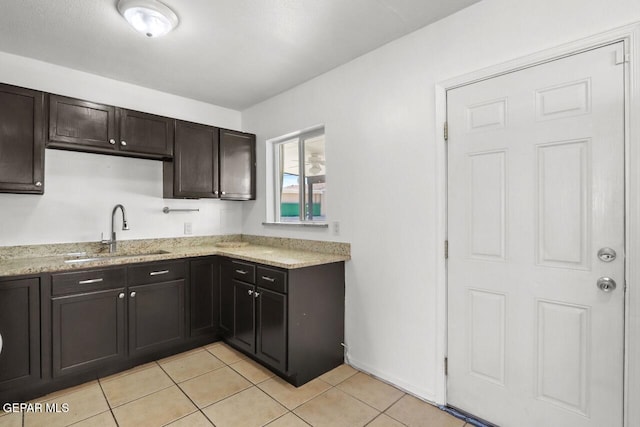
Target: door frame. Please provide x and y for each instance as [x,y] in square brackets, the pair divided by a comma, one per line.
[630,35]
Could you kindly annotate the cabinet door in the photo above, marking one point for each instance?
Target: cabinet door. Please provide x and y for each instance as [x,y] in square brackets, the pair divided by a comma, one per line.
[244,334]
[156,316]
[21,140]
[88,331]
[271,327]
[226,298]
[145,135]
[204,296]
[237,165]
[194,170]
[19,332]
[81,125]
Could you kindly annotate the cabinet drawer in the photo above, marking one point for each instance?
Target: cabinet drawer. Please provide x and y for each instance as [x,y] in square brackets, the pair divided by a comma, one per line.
[243,271]
[156,272]
[275,280]
[86,281]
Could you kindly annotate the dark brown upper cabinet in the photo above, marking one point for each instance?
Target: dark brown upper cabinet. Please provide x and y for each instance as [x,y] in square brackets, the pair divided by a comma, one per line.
[211,163]
[147,134]
[21,140]
[237,165]
[80,125]
[193,173]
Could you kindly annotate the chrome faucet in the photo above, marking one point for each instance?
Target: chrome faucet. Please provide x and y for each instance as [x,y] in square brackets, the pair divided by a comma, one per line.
[113,243]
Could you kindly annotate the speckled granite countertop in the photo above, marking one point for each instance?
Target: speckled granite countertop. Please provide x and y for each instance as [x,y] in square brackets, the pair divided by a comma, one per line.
[277,252]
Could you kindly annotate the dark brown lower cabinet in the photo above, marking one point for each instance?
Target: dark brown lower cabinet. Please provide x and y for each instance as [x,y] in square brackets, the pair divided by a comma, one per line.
[156,316]
[290,320]
[244,318]
[271,330]
[88,331]
[88,319]
[19,333]
[204,297]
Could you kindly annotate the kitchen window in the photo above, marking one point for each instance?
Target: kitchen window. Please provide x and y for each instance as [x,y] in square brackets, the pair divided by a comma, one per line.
[299,178]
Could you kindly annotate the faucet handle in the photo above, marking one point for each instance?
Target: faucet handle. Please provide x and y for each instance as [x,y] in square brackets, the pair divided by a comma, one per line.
[104,242]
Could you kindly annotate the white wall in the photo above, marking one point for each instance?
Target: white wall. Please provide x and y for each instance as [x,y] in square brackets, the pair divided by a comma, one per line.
[378,112]
[81,189]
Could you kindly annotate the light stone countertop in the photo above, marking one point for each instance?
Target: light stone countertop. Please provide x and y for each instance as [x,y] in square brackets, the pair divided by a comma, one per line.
[35,261]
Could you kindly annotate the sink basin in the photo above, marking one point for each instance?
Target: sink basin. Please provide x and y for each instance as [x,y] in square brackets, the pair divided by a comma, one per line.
[84,257]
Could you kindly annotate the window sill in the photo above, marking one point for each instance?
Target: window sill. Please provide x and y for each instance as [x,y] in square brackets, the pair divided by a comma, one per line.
[298,224]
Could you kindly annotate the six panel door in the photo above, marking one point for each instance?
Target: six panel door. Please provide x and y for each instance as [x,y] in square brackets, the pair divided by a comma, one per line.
[536,189]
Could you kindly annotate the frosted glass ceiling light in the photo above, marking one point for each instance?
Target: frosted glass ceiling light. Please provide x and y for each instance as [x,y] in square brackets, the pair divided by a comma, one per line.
[149,17]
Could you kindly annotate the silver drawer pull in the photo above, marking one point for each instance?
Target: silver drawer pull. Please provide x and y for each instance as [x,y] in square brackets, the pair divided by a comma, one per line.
[158,273]
[241,272]
[121,295]
[268,279]
[0,343]
[256,294]
[250,292]
[86,282]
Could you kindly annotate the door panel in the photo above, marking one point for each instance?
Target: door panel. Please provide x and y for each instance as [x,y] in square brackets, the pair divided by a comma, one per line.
[535,189]
[145,133]
[244,316]
[272,328]
[204,296]
[19,332]
[74,123]
[21,140]
[237,165]
[88,331]
[195,163]
[156,316]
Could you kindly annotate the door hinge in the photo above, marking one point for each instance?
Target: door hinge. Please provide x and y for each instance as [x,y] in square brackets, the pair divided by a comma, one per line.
[446,131]
[446,249]
[622,57]
[446,366]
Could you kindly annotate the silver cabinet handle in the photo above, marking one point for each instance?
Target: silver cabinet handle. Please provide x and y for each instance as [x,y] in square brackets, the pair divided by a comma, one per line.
[121,295]
[256,294]
[112,141]
[215,192]
[0,343]
[38,184]
[249,291]
[86,282]
[268,279]
[158,273]
[132,294]
[123,143]
[241,272]
[224,193]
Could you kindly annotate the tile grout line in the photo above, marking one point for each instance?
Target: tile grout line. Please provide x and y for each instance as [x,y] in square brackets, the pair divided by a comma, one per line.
[185,394]
[108,404]
[140,397]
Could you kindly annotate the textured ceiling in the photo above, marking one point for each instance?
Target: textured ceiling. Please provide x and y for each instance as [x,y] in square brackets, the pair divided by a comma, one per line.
[233,53]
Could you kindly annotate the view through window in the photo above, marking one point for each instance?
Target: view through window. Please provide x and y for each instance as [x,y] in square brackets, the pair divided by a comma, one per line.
[301,189]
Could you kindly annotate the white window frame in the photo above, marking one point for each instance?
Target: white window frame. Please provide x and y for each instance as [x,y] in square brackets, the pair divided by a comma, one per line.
[273,171]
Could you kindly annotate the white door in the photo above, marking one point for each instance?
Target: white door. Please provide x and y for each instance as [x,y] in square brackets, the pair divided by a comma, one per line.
[535,189]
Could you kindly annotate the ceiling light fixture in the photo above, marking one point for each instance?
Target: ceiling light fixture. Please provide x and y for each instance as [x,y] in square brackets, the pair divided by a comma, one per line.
[149,17]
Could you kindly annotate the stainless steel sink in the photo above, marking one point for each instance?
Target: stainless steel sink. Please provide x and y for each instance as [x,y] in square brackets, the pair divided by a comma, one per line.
[85,257]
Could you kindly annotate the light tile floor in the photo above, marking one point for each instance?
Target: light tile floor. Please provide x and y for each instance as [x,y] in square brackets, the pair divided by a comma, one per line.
[216,385]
